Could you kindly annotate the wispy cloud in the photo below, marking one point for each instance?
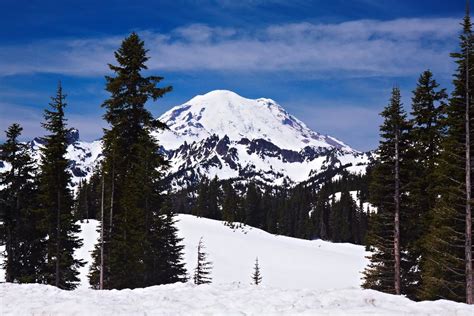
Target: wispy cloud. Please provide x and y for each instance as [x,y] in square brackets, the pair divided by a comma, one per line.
[357,48]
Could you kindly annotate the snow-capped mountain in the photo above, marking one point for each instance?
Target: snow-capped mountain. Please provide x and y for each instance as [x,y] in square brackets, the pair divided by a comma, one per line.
[223,112]
[225,135]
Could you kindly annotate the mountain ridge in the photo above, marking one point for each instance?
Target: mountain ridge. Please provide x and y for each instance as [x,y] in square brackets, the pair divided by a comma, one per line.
[231,137]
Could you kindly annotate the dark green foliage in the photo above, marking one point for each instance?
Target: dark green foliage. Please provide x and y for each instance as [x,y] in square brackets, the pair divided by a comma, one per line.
[380,273]
[203,268]
[207,204]
[256,276]
[88,198]
[252,206]
[56,201]
[341,218]
[297,212]
[230,204]
[24,243]
[428,107]
[443,267]
[140,243]
[166,264]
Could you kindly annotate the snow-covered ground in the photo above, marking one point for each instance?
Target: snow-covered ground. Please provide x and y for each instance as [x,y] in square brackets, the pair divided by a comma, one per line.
[366,206]
[299,277]
[285,262]
[230,299]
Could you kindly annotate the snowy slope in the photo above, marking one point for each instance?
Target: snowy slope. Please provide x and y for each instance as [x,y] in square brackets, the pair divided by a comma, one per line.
[299,278]
[83,156]
[285,262]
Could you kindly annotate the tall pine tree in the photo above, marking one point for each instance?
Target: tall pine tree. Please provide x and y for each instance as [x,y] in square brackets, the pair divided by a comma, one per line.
[447,264]
[384,272]
[18,198]
[135,253]
[56,200]
[428,108]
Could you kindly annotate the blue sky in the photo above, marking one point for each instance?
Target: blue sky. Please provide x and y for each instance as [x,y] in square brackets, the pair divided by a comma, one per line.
[330,63]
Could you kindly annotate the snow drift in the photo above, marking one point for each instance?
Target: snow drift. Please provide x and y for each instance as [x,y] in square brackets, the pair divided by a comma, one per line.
[231,299]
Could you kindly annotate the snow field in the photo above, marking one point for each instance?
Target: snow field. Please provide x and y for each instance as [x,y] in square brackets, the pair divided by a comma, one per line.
[300,277]
[285,262]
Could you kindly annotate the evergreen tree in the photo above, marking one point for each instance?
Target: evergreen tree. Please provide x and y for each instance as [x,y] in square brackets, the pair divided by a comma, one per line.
[447,246]
[203,268]
[256,276]
[230,204]
[166,265]
[428,107]
[82,201]
[201,208]
[214,195]
[253,213]
[384,272]
[135,223]
[24,242]
[56,200]
[321,215]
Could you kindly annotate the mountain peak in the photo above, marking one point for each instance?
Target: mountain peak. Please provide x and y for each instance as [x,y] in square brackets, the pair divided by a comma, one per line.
[227,96]
[224,112]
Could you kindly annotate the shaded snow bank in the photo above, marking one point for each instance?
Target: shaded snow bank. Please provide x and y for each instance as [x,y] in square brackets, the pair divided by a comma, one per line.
[230,299]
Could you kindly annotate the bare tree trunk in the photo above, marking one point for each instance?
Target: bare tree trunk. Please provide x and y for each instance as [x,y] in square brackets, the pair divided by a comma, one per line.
[101,276]
[58,236]
[10,261]
[111,213]
[468,240]
[112,197]
[396,238]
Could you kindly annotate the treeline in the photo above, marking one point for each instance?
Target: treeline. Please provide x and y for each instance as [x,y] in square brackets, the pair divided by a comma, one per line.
[138,240]
[310,211]
[325,211]
[421,237]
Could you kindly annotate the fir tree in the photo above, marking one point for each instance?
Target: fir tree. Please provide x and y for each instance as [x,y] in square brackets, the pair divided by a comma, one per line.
[214,195]
[135,253]
[447,259]
[428,107]
[18,198]
[166,265]
[384,272]
[230,204]
[253,213]
[203,268]
[201,208]
[256,276]
[56,200]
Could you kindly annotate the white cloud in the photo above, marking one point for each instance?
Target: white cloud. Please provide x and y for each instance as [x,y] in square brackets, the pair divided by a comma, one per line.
[356,48]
